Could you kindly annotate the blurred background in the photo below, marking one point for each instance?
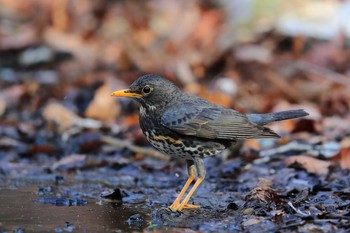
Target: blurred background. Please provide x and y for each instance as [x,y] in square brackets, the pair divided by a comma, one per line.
[61,59]
[256,56]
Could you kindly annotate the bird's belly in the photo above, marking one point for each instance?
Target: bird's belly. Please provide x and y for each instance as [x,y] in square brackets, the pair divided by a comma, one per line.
[187,147]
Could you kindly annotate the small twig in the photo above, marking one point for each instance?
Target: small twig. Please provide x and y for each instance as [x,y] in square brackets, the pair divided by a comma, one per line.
[292,146]
[283,85]
[324,72]
[297,210]
[137,149]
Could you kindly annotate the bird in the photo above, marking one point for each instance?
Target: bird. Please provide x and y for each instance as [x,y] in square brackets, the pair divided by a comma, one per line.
[186,126]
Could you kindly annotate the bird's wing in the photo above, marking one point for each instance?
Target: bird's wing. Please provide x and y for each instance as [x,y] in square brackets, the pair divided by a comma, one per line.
[206,120]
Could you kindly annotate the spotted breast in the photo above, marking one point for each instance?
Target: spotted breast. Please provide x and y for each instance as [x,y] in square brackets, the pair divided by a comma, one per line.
[184,147]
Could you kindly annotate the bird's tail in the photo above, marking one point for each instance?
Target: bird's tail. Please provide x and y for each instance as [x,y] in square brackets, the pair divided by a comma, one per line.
[263,119]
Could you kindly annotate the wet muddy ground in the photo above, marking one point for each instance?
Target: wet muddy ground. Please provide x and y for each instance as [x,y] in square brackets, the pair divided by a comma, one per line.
[127,197]
[24,211]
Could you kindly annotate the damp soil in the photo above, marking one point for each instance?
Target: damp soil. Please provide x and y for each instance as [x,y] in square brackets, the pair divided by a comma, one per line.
[134,198]
[128,199]
[22,208]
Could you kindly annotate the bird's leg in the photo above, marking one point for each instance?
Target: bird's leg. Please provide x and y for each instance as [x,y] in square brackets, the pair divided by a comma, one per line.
[198,162]
[192,173]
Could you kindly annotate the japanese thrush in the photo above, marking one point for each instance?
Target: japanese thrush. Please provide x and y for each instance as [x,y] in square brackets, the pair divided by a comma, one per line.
[186,126]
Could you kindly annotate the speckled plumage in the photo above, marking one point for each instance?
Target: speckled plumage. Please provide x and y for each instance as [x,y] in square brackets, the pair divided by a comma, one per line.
[186,126]
[192,128]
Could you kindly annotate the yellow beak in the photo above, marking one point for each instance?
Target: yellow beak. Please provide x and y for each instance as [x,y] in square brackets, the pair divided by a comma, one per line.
[125,93]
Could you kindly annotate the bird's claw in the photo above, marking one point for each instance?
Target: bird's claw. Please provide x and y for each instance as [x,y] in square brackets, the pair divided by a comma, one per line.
[179,207]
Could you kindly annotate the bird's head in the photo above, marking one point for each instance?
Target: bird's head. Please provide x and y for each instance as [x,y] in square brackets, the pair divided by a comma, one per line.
[151,91]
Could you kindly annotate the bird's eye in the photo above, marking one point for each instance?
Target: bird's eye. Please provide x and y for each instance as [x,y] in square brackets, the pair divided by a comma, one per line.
[146,89]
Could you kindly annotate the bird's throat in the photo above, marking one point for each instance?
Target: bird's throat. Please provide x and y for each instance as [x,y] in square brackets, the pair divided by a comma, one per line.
[145,109]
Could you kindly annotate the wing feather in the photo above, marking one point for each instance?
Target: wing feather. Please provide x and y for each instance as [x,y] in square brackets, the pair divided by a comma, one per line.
[206,120]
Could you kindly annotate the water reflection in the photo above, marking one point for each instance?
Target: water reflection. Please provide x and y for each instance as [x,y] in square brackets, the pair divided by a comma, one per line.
[19,208]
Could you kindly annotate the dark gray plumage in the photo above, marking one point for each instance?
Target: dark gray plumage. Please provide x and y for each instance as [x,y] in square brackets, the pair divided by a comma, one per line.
[189,127]
[263,119]
[191,115]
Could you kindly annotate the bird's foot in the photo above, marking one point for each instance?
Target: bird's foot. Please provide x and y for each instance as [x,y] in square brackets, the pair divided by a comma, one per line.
[175,207]
[189,206]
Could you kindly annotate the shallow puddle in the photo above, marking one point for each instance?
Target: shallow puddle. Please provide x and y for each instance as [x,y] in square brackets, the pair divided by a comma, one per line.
[20,209]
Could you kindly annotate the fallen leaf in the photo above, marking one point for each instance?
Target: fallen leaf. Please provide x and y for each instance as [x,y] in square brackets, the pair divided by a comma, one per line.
[343,157]
[84,51]
[263,192]
[311,165]
[69,162]
[103,107]
[65,118]
[59,114]
[260,191]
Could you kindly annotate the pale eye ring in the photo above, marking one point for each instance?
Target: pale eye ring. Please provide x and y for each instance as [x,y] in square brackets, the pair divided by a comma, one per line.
[146,89]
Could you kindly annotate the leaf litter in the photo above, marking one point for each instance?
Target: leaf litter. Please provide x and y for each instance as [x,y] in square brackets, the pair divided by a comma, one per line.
[64,137]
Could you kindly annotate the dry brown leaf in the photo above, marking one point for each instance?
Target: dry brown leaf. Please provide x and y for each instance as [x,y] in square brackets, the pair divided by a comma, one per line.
[260,191]
[85,52]
[60,14]
[103,107]
[204,31]
[57,113]
[65,118]
[311,165]
[264,193]
[343,157]
[69,162]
